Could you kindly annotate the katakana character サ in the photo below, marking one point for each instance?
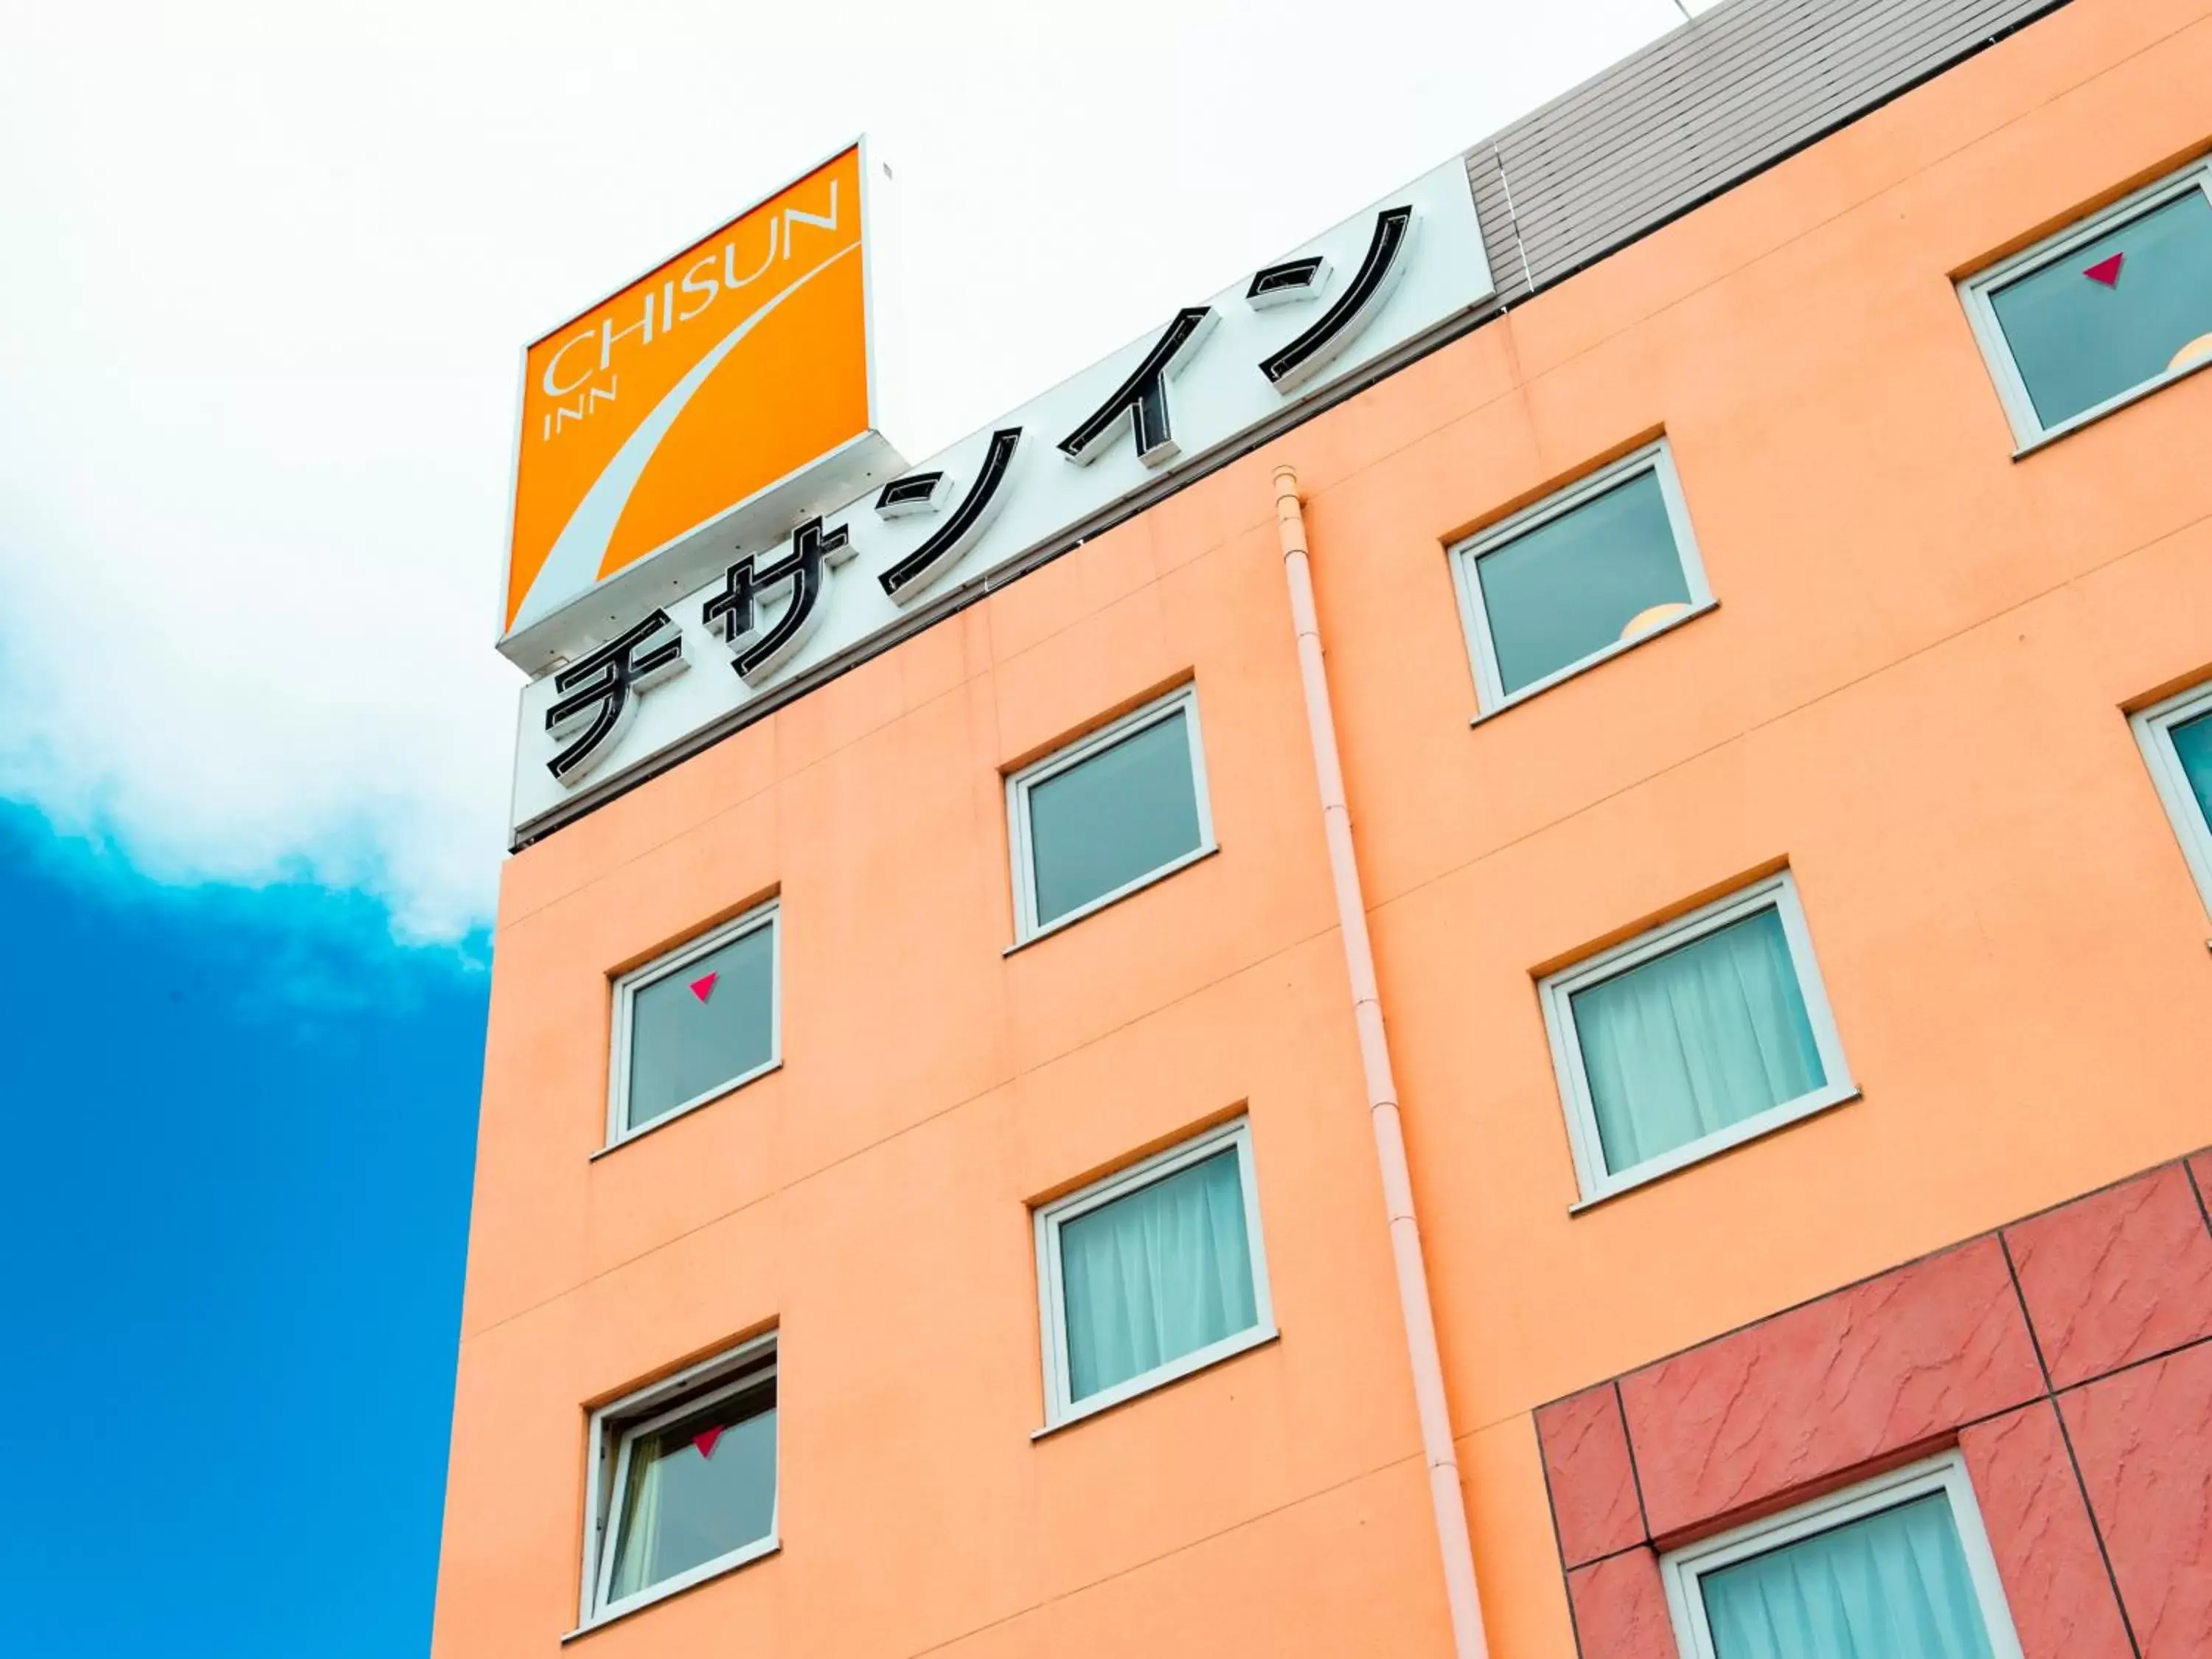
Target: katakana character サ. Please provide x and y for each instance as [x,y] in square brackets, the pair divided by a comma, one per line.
[814,553]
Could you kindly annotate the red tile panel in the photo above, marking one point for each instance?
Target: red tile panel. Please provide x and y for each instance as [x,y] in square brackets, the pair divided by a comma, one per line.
[2117,1276]
[2055,1580]
[1620,1608]
[2201,1167]
[1811,1395]
[1593,1486]
[2144,1438]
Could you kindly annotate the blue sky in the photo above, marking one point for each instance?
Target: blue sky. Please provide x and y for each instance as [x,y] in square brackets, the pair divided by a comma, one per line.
[241,1126]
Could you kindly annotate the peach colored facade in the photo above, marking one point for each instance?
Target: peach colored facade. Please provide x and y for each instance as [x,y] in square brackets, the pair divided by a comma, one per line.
[1914,694]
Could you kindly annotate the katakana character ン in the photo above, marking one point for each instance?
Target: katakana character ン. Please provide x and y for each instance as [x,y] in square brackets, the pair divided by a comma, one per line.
[599,692]
[944,547]
[734,612]
[1143,398]
[1350,311]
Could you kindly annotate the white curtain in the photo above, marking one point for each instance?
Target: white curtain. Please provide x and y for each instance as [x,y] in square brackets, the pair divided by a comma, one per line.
[1696,1040]
[638,1542]
[1155,1275]
[1891,1586]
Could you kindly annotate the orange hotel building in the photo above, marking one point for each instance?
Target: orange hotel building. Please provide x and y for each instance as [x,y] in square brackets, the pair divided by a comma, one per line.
[1746,690]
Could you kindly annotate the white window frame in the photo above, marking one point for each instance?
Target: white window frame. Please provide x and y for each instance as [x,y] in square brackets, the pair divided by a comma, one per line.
[1778,892]
[2154,729]
[1183,698]
[1681,1570]
[1977,291]
[1049,1219]
[616,1429]
[768,915]
[1491,696]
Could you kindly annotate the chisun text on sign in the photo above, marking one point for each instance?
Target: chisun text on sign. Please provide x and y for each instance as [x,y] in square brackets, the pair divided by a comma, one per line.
[697,404]
[780,612]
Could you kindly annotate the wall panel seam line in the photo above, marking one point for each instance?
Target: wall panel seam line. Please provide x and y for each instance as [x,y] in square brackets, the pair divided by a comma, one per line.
[2189,1175]
[1513,218]
[1559,1539]
[1611,1555]
[2089,1382]
[2158,1167]
[1635,1473]
[2066,1439]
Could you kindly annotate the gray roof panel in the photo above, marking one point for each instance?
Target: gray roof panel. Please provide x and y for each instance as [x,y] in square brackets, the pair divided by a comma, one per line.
[1720,99]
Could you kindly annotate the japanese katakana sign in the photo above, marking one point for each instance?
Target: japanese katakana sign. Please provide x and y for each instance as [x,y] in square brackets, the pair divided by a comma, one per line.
[783,611]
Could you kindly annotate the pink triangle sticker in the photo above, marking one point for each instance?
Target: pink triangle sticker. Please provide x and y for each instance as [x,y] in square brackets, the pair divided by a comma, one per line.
[703,986]
[705,1442]
[2107,270]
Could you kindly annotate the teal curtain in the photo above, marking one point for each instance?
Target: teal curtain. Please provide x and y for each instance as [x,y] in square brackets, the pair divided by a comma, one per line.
[1891,1586]
[1696,1040]
[1160,1274]
[2192,744]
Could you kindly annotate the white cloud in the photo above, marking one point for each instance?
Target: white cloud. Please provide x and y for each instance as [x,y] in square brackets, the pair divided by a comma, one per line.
[265,271]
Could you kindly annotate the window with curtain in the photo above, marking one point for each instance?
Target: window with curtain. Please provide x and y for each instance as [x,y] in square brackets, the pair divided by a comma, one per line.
[689,1480]
[1123,807]
[1899,1572]
[1578,576]
[1692,1038]
[696,1023]
[2102,310]
[2176,736]
[1152,1273]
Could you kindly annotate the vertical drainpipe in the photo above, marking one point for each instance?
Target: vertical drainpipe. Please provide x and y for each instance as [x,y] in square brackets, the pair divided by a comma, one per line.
[1468,1641]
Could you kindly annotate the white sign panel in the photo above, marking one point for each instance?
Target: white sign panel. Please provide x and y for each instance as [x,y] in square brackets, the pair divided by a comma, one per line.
[1168,404]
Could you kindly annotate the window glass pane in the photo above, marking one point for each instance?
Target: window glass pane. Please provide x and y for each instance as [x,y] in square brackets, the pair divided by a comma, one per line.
[697,1490]
[709,1022]
[1160,1274]
[2079,339]
[1696,1039]
[1582,581]
[1891,1586]
[1119,815]
[2192,742]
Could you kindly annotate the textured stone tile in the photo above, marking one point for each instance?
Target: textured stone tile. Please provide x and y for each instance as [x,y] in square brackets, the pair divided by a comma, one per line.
[1593,1486]
[2055,1580]
[2201,1167]
[2144,1438]
[1620,1608]
[1894,1364]
[2117,1276]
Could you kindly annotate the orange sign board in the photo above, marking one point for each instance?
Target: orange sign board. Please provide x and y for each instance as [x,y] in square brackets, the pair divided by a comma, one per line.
[715,377]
